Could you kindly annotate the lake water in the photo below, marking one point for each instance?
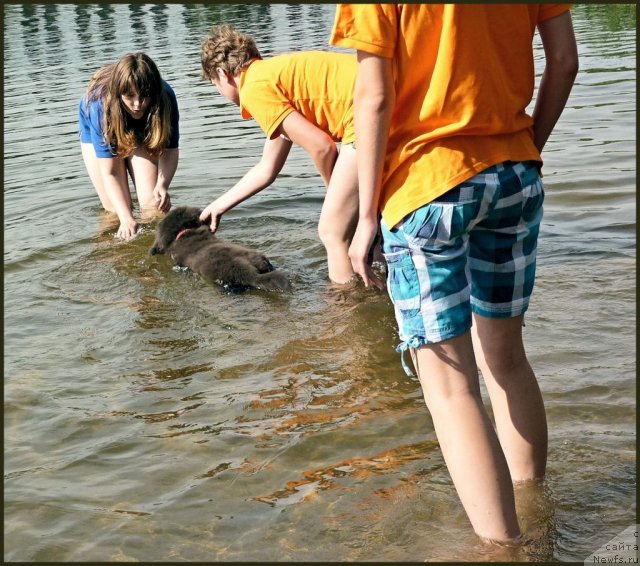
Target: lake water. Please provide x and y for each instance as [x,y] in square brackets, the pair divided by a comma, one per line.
[152,416]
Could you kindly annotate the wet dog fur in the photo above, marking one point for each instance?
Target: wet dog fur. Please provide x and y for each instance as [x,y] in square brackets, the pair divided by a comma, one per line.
[190,243]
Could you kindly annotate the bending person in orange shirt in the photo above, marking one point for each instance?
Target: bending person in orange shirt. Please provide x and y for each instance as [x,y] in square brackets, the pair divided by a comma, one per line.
[449,156]
[304,98]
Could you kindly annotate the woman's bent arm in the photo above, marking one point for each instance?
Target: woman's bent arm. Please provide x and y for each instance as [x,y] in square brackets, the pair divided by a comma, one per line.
[167,165]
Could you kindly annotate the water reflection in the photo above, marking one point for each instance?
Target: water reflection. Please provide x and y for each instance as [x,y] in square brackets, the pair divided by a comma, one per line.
[30,25]
[82,29]
[247,17]
[29,19]
[52,31]
[137,22]
[106,23]
[610,17]
[160,18]
[295,23]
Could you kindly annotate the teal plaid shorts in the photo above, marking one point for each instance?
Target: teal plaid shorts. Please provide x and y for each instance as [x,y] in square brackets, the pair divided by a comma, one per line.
[472,249]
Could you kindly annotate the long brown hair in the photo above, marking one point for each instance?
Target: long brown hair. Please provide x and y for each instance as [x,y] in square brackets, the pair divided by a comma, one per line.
[133,73]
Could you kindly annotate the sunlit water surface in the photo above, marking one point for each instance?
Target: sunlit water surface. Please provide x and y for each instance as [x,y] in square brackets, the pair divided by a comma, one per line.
[152,416]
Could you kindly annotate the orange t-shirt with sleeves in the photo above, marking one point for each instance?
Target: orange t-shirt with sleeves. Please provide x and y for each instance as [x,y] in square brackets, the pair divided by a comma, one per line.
[464,76]
[317,84]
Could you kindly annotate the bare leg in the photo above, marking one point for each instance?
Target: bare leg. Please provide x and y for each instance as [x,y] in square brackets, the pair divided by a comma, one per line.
[470,447]
[339,215]
[516,400]
[143,169]
[91,163]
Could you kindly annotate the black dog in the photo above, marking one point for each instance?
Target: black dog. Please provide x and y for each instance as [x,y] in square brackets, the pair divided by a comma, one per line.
[190,243]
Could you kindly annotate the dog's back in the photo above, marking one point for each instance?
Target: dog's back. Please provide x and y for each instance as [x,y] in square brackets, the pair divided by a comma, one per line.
[190,243]
[225,262]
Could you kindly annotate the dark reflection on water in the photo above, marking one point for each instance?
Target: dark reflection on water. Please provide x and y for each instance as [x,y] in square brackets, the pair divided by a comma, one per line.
[106,26]
[82,21]
[152,416]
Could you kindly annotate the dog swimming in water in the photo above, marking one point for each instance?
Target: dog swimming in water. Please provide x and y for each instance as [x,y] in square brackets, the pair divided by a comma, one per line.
[190,243]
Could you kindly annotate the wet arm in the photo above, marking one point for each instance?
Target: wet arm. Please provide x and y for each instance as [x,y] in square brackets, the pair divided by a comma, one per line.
[167,165]
[374,100]
[561,68]
[260,176]
[112,171]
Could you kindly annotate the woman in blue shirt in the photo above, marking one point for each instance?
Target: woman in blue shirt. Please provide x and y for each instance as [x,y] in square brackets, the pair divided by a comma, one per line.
[128,121]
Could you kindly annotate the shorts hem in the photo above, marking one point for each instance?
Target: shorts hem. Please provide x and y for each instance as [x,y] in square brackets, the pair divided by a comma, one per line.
[417,340]
[500,313]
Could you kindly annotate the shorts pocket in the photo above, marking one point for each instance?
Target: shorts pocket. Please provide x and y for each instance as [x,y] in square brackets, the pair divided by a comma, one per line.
[402,282]
[448,222]
[533,198]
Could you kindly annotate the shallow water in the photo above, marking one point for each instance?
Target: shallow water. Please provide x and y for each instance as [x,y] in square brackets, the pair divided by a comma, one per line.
[152,416]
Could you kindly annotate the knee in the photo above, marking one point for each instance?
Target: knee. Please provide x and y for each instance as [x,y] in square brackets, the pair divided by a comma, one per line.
[449,403]
[504,362]
[498,345]
[330,236]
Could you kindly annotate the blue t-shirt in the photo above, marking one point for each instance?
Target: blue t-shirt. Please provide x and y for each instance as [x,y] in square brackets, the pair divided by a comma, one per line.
[90,124]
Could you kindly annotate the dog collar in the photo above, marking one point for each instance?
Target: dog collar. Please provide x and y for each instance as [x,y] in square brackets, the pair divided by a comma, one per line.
[182,233]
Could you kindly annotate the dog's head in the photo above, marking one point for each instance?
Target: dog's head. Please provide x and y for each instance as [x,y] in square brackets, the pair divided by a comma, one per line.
[179,219]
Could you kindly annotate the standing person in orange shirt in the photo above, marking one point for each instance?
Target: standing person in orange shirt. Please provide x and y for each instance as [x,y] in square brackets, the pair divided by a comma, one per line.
[449,156]
[304,98]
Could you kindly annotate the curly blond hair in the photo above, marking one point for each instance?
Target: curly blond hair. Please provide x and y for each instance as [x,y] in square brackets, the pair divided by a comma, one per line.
[227,49]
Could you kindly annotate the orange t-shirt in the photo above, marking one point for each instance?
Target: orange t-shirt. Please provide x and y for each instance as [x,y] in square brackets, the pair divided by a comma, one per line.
[317,84]
[464,76]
